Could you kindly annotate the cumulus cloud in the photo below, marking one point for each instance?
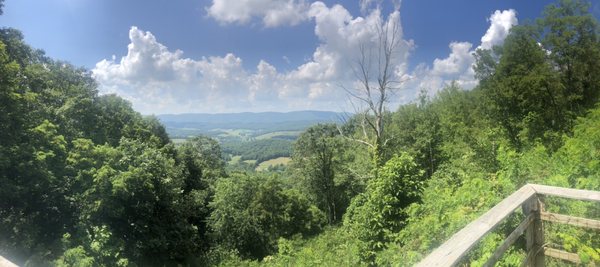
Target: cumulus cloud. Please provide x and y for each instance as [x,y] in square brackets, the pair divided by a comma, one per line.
[458,66]
[159,80]
[500,24]
[154,78]
[272,12]
[457,62]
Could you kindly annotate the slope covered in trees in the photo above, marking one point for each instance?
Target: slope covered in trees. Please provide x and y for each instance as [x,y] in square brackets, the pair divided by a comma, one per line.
[259,150]
[87,181]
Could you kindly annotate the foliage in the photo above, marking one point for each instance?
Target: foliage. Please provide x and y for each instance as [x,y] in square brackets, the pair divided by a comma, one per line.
[319,155]
[89,167]
[545,75]
[128,188]
[416,129]
[573,36]
[333,247]
[259,150]
[524,93]
[377,215]
[251,212]
[88,181]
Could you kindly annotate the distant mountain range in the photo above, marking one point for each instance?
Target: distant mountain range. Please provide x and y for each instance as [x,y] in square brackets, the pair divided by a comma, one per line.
[187,124]
[250,117]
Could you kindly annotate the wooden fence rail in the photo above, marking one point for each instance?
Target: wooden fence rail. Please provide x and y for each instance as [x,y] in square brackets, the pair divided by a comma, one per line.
[6,263]
[528,198]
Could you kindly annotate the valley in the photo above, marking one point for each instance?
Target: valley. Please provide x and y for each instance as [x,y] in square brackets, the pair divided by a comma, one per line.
[250,141]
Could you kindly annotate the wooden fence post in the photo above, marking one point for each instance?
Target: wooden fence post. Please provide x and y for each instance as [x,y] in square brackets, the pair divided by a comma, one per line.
[534,235]
[530,198]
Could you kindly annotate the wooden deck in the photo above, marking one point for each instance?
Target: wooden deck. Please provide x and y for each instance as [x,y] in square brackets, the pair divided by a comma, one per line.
[528,198]
[6,263]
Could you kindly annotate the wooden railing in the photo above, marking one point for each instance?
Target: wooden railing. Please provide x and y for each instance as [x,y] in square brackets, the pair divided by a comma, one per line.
[529,198]
[6,263]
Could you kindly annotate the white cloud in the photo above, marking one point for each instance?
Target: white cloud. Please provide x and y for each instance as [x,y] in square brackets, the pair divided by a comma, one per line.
[457,62]
[159,80]
[500,24]
[458,66]
[272,12]
[341,36]
[156,79]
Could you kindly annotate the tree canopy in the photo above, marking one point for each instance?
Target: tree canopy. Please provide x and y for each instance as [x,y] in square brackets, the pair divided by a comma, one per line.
[88,181]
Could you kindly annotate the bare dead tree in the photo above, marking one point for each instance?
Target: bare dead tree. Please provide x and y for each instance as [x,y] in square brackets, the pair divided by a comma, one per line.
[374,72]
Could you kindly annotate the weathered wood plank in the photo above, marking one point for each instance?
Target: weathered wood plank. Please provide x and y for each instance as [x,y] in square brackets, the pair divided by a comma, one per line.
[510,240]
[534,234]
[6,263]
[449,253]
[562,255]
[566,192]
[571,220]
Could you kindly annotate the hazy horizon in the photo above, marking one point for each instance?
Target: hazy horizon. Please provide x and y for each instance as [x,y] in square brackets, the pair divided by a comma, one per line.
[251,112]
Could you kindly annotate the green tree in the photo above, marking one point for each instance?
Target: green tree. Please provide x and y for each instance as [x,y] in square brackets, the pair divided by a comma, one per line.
[464,127]
[571,35]
[525,95]
[133,206]
[377,215]
[32,150]
[416,130]
[201,165]
[250,213]
[486,61]
[318,155]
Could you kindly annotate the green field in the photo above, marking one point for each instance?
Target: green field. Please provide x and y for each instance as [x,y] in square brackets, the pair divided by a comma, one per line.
[241,133]
[278,133]
[266,164]
[235,159]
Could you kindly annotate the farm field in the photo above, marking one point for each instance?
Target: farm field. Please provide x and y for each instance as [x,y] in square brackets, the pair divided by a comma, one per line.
[279,135]
[273,162]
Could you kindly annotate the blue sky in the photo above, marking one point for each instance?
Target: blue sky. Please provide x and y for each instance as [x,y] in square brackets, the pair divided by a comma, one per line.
[258,55]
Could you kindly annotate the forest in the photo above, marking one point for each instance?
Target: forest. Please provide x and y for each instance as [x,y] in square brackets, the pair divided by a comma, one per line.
[88,181]
[259,150]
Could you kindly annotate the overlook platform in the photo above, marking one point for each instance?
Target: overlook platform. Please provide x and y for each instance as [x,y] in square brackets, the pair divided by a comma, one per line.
[530,198]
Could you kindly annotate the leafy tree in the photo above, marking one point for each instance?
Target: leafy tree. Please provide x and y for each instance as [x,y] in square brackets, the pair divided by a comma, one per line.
[32,150]
[202,161]
[18,50]
[464,127]
[116,119]
[486,61]
[525,95]
[250,213]
[318,155]
[571,35]
[201,165]
[133,206]
[155,128]
[375,216]
[416,130]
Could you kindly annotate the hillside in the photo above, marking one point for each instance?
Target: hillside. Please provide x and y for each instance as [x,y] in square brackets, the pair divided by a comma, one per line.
[245,124]
[86,180]
[253,137]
